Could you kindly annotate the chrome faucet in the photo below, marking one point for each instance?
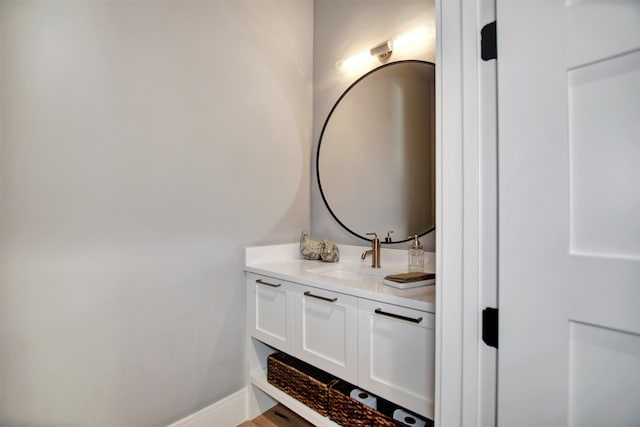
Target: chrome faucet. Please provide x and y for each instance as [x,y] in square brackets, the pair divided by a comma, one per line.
[374,251]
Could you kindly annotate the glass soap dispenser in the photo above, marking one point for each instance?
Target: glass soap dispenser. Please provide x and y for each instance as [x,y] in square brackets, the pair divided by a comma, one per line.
[416,255]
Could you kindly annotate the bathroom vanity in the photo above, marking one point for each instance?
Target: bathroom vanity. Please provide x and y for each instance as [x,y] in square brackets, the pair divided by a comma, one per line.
[341,318]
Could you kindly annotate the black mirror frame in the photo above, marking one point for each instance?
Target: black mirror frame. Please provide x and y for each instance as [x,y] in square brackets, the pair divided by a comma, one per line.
[324,126]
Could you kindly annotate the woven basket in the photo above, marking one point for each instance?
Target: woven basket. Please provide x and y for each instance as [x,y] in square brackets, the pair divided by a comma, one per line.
[348,412]
[300,380]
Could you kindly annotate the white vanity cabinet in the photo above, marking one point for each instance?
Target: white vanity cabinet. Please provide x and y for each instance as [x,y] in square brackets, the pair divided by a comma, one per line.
[396,354]
[327,331]
[378,338]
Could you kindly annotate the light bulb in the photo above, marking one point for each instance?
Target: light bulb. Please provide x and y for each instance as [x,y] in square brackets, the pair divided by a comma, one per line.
[355,61]
[411,39]
[406,41]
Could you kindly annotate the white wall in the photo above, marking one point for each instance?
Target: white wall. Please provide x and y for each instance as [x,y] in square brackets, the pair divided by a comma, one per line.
[143,145]
[343,28]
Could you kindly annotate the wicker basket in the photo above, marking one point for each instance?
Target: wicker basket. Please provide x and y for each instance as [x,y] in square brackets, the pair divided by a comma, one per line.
[300,380]
[349,412]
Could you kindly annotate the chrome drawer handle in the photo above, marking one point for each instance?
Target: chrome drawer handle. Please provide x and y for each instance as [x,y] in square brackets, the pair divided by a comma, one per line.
[309,294]
[398,316]
[262,282]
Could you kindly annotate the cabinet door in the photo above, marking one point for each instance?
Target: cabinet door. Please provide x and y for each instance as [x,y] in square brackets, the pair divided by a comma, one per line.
[327,331]
[396,348]
[270,311]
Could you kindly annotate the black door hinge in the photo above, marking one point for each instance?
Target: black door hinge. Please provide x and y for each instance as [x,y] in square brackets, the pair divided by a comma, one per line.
[490,326]
[488,42]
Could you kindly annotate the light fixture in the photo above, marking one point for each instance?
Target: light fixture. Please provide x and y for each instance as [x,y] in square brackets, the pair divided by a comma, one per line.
[383,51]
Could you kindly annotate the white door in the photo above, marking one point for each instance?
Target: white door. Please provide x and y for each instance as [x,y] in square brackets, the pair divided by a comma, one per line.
[569,212]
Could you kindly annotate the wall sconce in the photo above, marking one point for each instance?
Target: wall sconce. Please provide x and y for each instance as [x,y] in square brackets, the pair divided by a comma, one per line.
[405,41]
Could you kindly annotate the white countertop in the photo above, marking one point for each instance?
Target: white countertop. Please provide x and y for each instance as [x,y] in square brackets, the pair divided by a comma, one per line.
[284,262]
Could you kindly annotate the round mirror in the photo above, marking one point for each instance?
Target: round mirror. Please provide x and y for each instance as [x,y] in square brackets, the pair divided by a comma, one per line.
[376,155]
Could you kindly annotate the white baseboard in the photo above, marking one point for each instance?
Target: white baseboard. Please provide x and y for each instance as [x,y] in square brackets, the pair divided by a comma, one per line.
[228,412]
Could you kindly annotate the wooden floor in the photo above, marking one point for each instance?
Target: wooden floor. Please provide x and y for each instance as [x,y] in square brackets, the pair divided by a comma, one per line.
[278,416]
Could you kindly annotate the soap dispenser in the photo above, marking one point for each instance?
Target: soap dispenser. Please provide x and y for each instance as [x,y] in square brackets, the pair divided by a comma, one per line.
[416,255]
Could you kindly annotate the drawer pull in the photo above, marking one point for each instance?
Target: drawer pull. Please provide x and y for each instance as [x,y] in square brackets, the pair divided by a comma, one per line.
[262,282]
[398,316]
[309,294]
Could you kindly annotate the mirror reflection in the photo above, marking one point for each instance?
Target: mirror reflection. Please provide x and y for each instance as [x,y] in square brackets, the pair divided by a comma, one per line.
[376,155]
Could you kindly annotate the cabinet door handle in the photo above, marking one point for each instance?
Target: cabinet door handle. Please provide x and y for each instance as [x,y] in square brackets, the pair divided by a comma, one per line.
[262,282]
[398,316]
[309,294]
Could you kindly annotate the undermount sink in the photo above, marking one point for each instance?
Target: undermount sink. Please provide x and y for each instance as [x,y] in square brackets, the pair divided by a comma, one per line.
[349,272]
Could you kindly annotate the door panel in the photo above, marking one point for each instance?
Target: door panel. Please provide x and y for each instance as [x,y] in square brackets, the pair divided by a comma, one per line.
[569,203]
[604,159]
[603,363]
